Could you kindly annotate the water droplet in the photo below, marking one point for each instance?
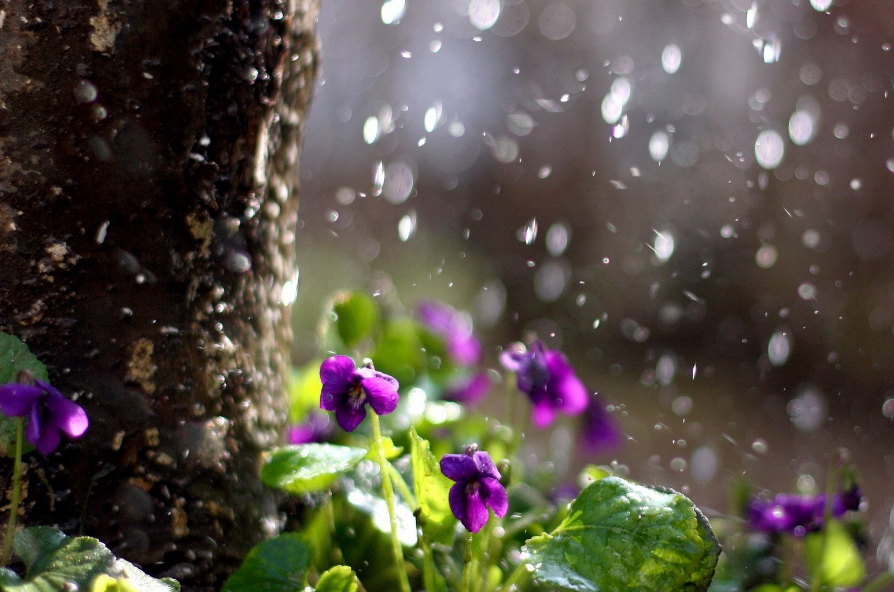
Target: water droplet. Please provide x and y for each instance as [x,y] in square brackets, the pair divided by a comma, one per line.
[393,11]
[433,116]
[671,58]
[406,228]
[808,410]
[769,149]
[766,256]
[398,183]
[371,129]
[751,15]
[663,245]
[551,280]
[704,464]
[557,21]
[888,408]
[678,464]
[760,446]
[682,405]
[85,92]
[807,291]
[557,238]
[779,347]
[801,127]
[528,233]
[484,13]
[811,238]
[378,178]
[821,5]
[544,171]
[658,145]
[841,131]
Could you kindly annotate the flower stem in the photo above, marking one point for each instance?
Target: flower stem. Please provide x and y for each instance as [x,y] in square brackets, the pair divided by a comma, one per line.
[467,564]
[515,576]
[388,492]
[16,494]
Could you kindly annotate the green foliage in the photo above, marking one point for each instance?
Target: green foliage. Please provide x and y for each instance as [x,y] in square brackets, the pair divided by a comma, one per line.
[14,357]
[340,578]
[304,468]
[277,565]
[55,562]
[833,558]
[398,351]
[431,488]
[304,391]
[391,451]
[619,536]
[358,317]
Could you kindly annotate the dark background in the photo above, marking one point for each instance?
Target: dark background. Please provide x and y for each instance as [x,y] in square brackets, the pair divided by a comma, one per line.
[759,341]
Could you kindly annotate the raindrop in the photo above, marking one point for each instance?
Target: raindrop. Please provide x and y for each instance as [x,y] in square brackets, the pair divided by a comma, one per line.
[821,5]
[551,280]
[682,405]
[663,245]
[751,15]
[557,238]
[801,127]
[484,13]
[888,408]
[406,228]
[766,256]
[520,123]
[85,92]
[378,178]
[528,233]
[665,369]
[841,131]
[760,446]
[671,57]
[456,129]
[371,129]
[620,130]
[704,464]
[811,238]
[621,89]
[557,21]
[658,145]
[769,149]
[612,107]
[678,464]
[433,116]
[780,347]
[808,410]
[544,171]
[807,291]
[504,149]
[398,183]
[856,184]
[393,11]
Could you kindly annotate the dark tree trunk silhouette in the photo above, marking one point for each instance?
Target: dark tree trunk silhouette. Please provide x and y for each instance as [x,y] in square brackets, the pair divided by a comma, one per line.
[148,176]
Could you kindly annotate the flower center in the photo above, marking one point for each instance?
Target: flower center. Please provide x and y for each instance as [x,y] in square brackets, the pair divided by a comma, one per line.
[472,487]
[356,397]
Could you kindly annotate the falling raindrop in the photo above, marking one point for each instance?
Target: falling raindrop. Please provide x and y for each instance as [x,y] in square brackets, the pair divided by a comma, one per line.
[371,130]
[398,183]
[393,11]
[406,228]
[769,149]
[808,410]
[528,233]
[766,256]
[663,245]
[557,238]
[821,5]
[801,127]
[484,13]
[433,116]
[671,58]
[658,145]
[378,178]
[780,347]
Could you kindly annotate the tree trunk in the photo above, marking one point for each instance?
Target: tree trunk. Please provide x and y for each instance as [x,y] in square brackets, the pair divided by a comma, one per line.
[148,169]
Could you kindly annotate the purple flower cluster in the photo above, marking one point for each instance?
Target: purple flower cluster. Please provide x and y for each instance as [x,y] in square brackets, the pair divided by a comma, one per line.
[600,432]
[454,327]
[798,514]
[548,379]
[477,487]
[348,389]
[48,412]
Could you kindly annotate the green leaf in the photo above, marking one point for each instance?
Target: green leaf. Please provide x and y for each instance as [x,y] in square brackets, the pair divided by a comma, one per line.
[358,317]
[837,562]
[775,588]
[340,578]
[56,562]
[398,351]
[391,451]
[303,390]
[620,536]
[277,565]
[308,467]
[432,488]
[15,356]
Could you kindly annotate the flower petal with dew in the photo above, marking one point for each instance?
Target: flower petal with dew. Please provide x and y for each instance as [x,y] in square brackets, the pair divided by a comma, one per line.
[477,487]
[454,327]
[548,379]
[347,390]
[49,413]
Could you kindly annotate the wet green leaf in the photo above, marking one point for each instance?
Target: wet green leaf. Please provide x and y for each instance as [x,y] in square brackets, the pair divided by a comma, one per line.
[398,351]
[56,562]
[15,356]
[620,536]
[340,578]
[358,317]
[836,562]
[432,488]
[308,467]
[391,451]
[277,565]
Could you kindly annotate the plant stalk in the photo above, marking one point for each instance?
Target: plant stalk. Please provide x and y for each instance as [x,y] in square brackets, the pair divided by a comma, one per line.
[388,492]
[467,564]
[515,576]
[16,494]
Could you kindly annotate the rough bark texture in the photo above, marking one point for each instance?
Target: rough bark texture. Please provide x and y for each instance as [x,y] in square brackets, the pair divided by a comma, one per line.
[148,169]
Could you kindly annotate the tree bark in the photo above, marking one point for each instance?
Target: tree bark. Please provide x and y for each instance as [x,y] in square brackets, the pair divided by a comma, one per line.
[148,176]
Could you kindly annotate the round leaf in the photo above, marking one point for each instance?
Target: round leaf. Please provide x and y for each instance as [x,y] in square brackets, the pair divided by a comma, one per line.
[620,536]
[14,357]
[308,467]
[358,317]
[277,565]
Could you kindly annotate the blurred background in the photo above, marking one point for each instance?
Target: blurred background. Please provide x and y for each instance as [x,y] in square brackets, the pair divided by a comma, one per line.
[691,198]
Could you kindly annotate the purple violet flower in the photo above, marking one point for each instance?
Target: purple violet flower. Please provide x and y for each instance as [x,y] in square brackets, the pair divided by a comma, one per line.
[49,413]
[468,389]
[548,379]
[600,431]
[348,389]
[799,514]
[314,429]
[454,327]
[477,487]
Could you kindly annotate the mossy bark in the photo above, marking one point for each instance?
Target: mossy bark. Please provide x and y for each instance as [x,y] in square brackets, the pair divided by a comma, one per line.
[148,177]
